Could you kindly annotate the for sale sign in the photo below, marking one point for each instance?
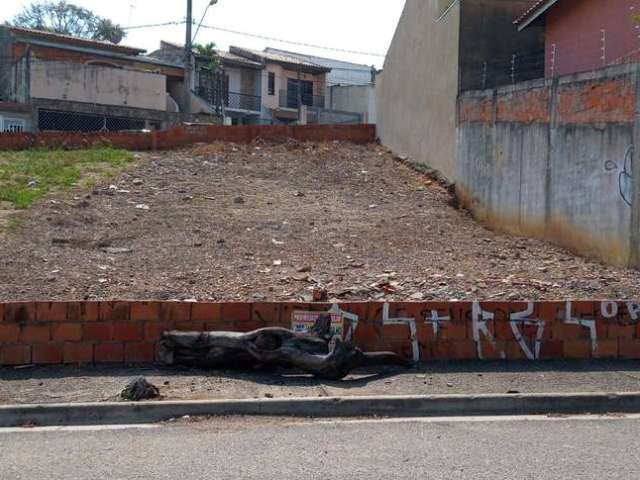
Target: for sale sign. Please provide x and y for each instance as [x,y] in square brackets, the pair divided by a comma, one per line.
[303,322]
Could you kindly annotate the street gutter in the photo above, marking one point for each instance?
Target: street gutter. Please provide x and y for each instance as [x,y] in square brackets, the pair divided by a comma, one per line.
[120,413]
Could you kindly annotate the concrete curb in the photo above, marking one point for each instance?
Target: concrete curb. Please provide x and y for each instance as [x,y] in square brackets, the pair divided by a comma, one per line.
[114,413]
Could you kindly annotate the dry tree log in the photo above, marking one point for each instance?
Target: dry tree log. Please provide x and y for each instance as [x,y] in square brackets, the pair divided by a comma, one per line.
[317,352]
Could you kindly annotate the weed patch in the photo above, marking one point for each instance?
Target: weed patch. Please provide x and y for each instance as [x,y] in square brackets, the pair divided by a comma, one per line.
[28,175]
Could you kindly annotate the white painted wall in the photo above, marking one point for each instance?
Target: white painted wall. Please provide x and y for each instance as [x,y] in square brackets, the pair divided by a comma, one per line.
[98,84]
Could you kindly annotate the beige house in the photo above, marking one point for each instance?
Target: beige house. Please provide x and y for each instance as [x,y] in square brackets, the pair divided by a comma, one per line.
[281,77]
[50,81]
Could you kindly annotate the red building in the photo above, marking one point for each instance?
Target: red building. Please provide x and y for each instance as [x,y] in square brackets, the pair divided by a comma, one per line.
[582,35]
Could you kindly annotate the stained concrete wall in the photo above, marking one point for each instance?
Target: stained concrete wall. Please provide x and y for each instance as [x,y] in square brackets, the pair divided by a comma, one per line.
[417,90]
[554,160]
[98,84]
[438,50]
[354,98]
[5,65]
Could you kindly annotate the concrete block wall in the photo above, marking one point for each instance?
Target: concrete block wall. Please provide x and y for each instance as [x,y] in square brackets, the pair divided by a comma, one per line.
[128,332]
[554,159]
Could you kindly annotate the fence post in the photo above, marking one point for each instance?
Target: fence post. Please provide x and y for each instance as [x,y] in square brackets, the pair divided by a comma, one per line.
[634,258]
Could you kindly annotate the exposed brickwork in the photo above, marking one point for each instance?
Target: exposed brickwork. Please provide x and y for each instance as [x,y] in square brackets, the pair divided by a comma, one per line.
[78,353]
[182,136]
[130,331]
[109,353]
[525,106]
[476,110]
[47,354]
[15,355]
[603,101]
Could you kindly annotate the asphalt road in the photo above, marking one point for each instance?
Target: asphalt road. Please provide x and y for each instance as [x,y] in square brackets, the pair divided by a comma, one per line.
[517,448]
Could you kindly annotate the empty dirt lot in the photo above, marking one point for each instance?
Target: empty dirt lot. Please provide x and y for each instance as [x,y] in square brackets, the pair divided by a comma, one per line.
[273,222]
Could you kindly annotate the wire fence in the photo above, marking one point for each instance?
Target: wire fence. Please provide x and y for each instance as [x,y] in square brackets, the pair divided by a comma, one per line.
[53,120]
[581,53]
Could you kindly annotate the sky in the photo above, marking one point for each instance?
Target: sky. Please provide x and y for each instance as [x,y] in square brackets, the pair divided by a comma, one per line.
[357,25]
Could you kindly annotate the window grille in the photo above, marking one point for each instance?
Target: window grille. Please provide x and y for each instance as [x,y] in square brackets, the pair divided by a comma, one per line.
[12,125]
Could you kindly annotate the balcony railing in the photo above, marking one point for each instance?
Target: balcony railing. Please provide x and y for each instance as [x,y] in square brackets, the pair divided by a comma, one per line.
[289,99]
[243,101]
[233,100]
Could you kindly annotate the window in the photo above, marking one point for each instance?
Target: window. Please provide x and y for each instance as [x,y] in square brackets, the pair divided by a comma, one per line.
[306,93]
[12,125]
[272,83]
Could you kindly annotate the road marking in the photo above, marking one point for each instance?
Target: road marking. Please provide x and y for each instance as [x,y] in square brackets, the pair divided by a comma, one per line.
[77,428]
[475,419]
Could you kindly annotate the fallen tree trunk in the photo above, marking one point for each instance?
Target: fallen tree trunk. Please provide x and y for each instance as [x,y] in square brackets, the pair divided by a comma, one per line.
[317,352]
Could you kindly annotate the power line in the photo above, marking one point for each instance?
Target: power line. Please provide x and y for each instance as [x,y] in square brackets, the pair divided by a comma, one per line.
[153,25]
[260,37]
[291,42]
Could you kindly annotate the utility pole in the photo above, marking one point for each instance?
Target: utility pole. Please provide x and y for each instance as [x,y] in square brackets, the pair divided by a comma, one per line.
[299,95]
[188,56]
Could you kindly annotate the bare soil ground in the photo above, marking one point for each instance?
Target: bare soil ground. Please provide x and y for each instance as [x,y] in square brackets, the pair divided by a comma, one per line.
[57,384]
[271,222]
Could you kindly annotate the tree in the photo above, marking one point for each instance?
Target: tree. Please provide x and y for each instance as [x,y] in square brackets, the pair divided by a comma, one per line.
[209,51]
[68,19]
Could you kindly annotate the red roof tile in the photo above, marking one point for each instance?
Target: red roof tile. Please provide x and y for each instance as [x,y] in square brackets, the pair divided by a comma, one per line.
[71,40]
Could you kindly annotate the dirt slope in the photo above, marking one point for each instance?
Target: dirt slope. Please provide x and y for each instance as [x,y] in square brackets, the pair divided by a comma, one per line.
[271,222]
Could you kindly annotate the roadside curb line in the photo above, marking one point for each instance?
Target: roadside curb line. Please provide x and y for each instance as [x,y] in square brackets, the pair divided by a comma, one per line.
[119,413]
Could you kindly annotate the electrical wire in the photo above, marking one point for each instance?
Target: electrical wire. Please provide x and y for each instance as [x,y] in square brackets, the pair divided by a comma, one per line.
[201,20]
[154,25]
[261,37]
[291,42]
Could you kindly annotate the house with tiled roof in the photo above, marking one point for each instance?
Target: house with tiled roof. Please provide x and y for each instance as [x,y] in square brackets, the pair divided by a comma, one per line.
[255,86]
[235,89]
[586,34]
[289,84]
[51,81]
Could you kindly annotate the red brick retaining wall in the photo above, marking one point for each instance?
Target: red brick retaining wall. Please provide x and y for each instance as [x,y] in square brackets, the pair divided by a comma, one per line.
[586,102]
[182,136]
[128,332]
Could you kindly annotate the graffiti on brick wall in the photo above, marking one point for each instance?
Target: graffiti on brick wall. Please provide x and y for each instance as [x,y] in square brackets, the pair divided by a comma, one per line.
[625,175]
[495,330]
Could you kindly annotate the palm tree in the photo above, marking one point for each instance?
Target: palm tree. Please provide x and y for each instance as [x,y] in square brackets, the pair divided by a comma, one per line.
[209,51]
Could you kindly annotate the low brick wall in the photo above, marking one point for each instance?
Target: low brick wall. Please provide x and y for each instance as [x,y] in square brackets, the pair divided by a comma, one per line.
[183,136]
[128,332]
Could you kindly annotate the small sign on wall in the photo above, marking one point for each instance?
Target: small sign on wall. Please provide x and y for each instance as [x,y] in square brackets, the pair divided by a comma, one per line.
[303,322]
